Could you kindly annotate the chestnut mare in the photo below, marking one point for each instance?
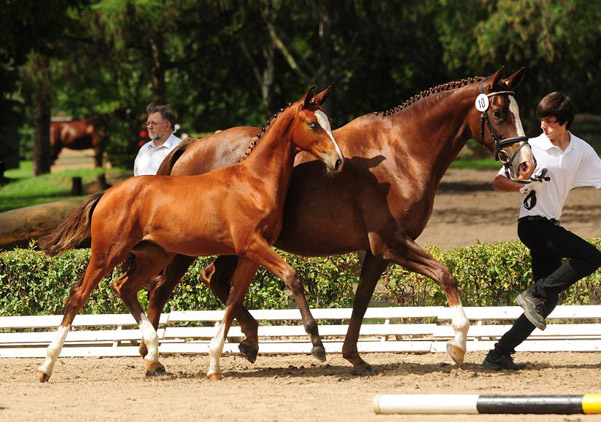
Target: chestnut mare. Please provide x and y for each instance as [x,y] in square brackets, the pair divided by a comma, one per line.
[234,210]
[82,134]
[380,203]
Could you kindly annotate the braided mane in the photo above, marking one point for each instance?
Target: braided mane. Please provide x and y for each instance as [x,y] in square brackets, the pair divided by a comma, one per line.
[439,88]
[263,129]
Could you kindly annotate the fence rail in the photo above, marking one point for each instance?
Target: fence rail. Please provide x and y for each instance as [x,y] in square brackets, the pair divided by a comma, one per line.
[391,329]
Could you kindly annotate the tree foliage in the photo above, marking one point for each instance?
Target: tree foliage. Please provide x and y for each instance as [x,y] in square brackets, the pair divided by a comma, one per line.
[221,63]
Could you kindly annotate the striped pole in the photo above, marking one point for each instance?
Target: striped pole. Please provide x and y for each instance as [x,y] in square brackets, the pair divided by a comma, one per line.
[475,403]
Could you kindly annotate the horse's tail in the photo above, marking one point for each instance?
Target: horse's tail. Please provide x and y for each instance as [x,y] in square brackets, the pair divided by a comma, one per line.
[73,231]
[170,160]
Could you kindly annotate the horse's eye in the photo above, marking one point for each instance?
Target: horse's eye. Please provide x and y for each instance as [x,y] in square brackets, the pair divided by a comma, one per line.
[312,125]
[499,113]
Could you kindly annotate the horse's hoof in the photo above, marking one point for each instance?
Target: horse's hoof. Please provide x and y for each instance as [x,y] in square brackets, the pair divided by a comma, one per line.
[364,371]
[215,377]
[319,353]
[153,368]
[248,352]
[457,353]
[42,376]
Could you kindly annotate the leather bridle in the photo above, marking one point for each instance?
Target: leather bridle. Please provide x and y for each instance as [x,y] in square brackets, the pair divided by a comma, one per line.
[499,153]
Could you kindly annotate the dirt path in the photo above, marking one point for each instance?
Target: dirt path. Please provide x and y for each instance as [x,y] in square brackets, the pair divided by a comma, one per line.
[278,388]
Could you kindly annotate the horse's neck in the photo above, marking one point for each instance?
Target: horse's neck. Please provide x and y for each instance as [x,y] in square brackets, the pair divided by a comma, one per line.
[433,132]
[272,159]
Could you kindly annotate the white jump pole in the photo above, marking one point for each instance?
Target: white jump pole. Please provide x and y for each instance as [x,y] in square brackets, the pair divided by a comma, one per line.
[475,403]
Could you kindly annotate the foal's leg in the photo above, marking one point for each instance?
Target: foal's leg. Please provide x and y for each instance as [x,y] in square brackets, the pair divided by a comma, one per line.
[149,260]
[217,277]
[98,267]
[260,251]
[402,249]
[372,269]
[243,276]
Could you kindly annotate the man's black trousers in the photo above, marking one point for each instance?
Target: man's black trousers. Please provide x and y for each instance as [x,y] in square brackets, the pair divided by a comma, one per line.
[549,243]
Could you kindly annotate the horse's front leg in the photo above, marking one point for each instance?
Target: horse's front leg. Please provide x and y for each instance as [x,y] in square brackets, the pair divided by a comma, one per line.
[243,276]
[260,251]
[404,251]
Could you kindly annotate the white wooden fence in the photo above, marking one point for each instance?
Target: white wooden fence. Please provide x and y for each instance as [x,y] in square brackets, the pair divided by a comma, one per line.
[391,329]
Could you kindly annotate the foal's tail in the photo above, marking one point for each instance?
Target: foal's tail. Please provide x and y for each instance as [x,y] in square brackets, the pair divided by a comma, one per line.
[73,231]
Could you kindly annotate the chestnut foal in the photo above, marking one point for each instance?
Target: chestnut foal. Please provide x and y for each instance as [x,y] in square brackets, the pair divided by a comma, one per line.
[234,210]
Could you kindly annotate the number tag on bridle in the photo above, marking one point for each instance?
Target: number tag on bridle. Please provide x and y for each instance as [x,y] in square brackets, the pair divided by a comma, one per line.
[482,103]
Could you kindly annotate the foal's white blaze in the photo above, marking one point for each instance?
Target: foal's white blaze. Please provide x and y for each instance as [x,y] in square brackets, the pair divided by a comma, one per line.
[525,154]
[54,350]
[151,338]
[515,110]
[324,122]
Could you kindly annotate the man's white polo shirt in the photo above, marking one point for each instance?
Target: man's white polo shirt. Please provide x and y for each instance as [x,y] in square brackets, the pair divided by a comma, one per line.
[577,166]
[150,157]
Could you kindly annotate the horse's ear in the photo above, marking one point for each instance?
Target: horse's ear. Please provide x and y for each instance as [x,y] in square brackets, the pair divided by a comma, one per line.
[513,81]
[308,96]
[493,80]
[320,98]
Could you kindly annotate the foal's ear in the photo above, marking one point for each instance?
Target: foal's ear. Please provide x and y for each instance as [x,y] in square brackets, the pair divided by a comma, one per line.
[320,98]
[513,81]
[308,96]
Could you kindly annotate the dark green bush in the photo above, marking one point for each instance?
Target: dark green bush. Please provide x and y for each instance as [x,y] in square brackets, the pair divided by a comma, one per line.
[488,274]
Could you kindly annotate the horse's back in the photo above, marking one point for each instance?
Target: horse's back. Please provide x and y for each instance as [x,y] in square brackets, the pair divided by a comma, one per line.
[210,153]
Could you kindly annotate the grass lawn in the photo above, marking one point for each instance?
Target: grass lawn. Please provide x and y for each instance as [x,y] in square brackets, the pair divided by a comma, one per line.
[24,190]
[483,164]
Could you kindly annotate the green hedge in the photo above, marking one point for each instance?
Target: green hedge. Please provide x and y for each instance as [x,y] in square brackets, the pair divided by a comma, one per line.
[488,274]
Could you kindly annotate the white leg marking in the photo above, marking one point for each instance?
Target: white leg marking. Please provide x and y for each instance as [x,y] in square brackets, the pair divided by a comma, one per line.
[215,350]
[456,348]
[54,350]
[150,337]
[460,325]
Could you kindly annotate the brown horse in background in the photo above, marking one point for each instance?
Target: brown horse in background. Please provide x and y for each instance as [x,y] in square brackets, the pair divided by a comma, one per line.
[87,133]
[234,210]
[380,203]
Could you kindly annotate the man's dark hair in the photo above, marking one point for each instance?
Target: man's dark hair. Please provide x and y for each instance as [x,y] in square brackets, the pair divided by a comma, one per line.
[166,112]
[556,105]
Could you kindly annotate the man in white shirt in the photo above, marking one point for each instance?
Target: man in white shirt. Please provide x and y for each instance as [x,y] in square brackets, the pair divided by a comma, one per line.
[569,162]
[160,123]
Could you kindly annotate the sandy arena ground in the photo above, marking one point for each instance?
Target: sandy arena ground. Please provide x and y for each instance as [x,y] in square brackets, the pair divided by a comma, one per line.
[298,388]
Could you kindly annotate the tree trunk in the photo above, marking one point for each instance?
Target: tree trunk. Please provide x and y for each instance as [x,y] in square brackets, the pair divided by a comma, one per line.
[268,77]
[325,37]
[42,104]
[159,89]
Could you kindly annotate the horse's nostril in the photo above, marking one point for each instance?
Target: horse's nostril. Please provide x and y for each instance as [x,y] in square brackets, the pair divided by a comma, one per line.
[337,164]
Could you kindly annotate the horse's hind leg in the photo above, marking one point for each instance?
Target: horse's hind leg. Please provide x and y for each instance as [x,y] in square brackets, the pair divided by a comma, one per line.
[148,261]
[372,269]
[260,251]
[218,277]
[162,289]
[80,292]
[403,250]
[243,276]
